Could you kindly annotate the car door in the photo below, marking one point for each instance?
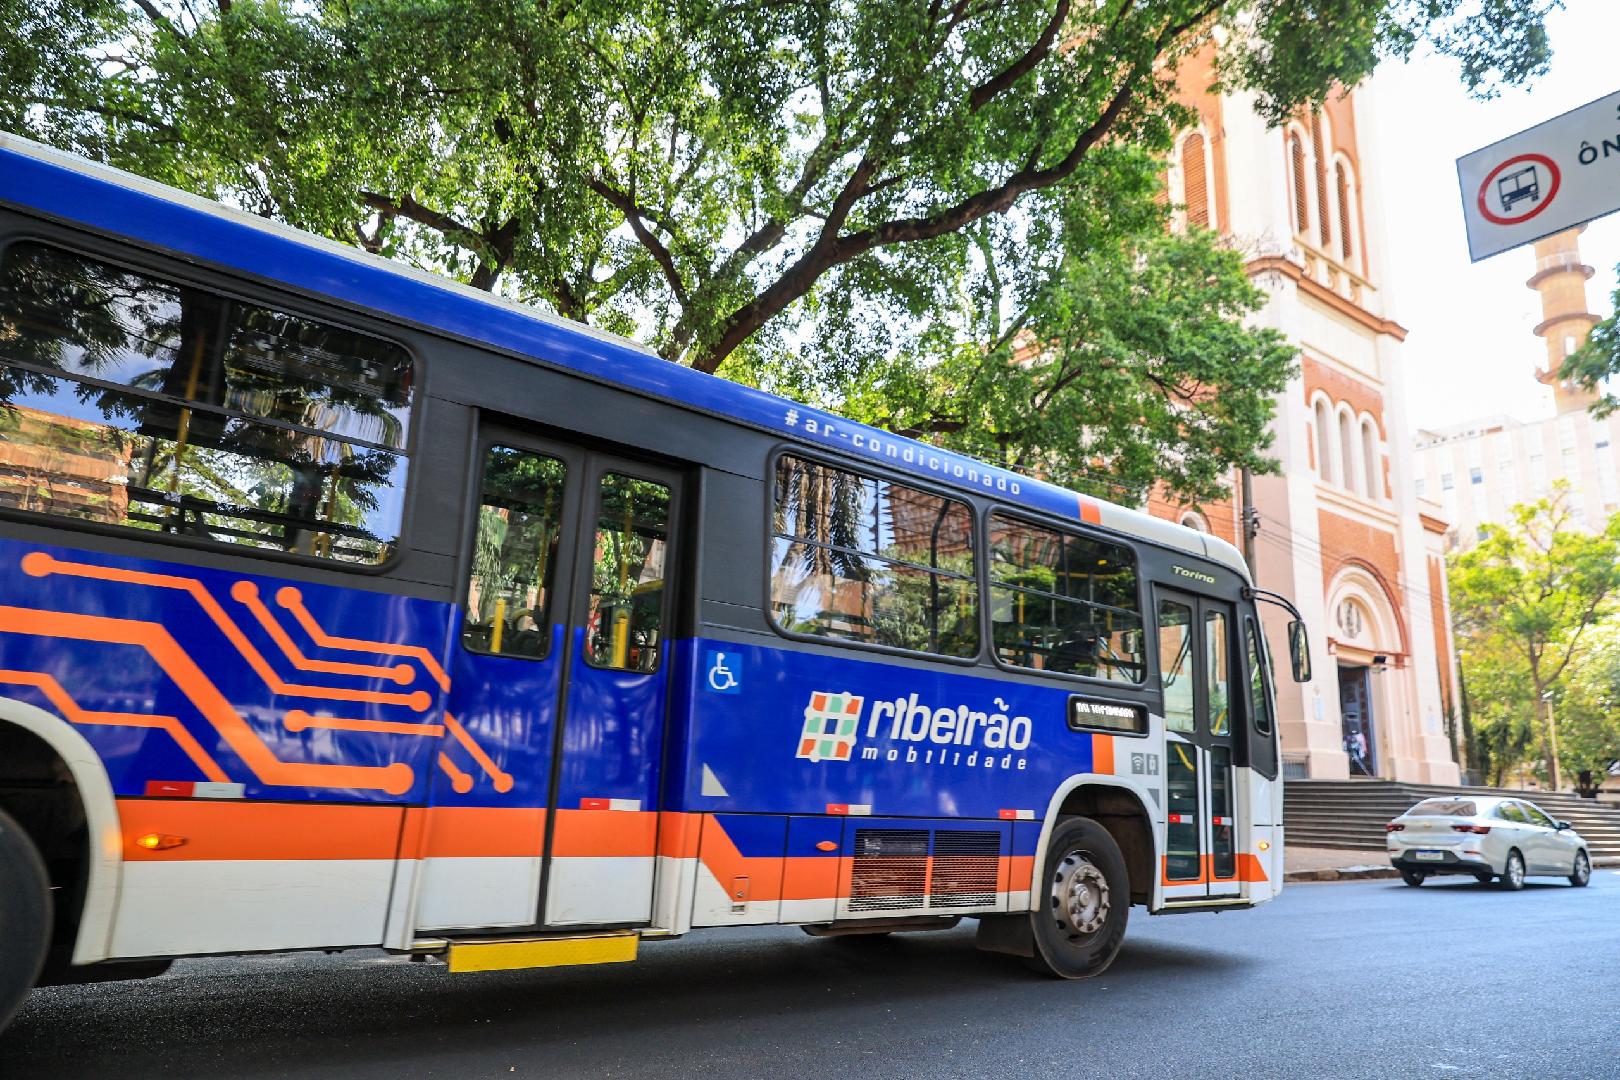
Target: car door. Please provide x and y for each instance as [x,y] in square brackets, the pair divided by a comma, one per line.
[1517,833]
[1556,850]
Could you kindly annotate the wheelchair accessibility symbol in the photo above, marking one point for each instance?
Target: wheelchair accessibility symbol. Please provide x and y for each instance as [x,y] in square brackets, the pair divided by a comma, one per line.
[724,671]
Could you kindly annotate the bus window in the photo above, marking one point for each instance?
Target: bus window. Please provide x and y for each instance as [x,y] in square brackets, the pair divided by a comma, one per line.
[627,575]
[1259,690]
[1218,667]
[509,593]
[1176,665]
[1064,603]
[137,402]
[872,561]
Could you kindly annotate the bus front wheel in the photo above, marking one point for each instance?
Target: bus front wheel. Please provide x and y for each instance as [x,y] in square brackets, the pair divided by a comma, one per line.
[25,916]
[1083,901]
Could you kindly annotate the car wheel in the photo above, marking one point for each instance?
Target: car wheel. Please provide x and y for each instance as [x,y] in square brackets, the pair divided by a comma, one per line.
[1583,870]
[1414,877]
[25,915]
[1483,879]
[1085,902]
[1513,872]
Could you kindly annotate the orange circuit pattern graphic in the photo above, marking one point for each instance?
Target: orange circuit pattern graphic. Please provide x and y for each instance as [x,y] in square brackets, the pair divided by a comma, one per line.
[415,664]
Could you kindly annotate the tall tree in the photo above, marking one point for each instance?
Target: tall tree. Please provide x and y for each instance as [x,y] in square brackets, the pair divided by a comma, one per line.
[716,162]
[1105,372]
[1524,599]
[814,185]
[1589,706]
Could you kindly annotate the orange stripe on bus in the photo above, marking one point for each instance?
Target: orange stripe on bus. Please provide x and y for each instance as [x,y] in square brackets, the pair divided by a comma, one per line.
[722,858]
[1090,510]
[1020,873]
[1247,868]
[584,833]
[247,831]
[475,832]
[678,834]
[809,878]
[1102,754]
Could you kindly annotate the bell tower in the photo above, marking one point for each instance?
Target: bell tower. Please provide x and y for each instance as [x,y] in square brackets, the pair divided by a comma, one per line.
[1561,278]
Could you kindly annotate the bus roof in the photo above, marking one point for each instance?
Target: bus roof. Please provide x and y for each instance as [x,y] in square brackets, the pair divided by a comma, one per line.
[61,185]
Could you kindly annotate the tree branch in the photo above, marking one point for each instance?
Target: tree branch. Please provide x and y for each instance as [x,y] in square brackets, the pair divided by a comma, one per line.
[987,91]
[637,221]
[407,207]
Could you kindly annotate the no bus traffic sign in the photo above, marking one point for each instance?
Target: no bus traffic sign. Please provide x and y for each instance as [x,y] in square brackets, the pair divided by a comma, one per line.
[1543,180]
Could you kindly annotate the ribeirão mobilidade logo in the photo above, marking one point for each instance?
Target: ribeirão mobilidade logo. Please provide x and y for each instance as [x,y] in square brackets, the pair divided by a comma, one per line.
[957,735]
[831,724]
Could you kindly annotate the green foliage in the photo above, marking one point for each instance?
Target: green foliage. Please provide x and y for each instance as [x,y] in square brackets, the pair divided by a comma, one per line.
[1298,50]
[1598,360]
[834,197]
[1124,363]
[1523,601]
[1589,704]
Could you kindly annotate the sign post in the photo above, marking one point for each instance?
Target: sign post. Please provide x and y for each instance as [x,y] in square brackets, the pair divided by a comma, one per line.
[1559,174]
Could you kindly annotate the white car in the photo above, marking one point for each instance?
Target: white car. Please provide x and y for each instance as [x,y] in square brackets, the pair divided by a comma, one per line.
[1508,839]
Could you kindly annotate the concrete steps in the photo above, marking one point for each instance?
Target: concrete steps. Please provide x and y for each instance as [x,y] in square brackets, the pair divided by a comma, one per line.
[1351,814]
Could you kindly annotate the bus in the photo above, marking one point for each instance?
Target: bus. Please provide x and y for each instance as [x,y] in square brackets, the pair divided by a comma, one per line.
[343,606]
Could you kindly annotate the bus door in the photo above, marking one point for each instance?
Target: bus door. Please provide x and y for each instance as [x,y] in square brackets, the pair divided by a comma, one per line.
[1196,664]
[545,793]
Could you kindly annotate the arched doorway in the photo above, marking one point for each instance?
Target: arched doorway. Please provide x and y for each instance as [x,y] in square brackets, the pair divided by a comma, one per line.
[1367,646]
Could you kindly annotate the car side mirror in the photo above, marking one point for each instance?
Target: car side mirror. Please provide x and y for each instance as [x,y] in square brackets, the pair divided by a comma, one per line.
[1299,651]
[1562,825]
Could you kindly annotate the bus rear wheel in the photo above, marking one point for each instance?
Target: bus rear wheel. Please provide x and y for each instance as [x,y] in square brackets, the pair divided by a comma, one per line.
[1083,902]
[25,916]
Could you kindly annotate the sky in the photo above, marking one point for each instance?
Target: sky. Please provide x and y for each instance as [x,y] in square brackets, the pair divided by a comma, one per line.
[1469,351]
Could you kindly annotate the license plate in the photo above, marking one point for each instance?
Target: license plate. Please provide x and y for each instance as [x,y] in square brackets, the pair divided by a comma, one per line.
[1429,856]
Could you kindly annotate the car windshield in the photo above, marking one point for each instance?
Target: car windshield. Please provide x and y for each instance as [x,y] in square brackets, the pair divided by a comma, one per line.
[1443,808]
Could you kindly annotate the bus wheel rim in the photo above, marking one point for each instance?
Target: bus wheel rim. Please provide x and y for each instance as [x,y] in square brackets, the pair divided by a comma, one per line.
[1080,895]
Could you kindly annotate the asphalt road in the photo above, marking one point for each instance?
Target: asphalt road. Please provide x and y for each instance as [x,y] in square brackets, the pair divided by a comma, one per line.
[1363,979]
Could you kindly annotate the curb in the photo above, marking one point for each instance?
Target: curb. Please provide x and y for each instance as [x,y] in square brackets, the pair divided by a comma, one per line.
[1343,873]
[1372,873]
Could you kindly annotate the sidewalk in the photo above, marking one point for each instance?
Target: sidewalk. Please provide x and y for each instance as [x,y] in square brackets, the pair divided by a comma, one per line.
[1337,864]
[1334,864]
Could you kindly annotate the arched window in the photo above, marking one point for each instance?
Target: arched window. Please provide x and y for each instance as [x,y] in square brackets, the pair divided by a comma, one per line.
[1195,180]
[1349,460]
[1192,519]
[1369,450]
[1296,176]
[1324,441]
[1341,178]
[1324,228]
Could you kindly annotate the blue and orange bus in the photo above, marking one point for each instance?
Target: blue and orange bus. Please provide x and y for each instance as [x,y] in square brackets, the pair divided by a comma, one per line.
[344,606]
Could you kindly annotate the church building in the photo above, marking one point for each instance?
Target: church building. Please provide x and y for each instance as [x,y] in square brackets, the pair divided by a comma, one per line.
[1339,530]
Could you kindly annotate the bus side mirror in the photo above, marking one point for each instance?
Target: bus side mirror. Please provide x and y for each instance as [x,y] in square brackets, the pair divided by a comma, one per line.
[1299,651]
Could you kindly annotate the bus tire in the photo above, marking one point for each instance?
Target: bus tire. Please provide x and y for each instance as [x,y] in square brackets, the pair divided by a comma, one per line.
[25,916]
[1082,903]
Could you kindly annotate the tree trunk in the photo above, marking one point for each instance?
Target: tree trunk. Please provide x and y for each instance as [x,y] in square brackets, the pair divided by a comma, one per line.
[1544,713]
[1552,745]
